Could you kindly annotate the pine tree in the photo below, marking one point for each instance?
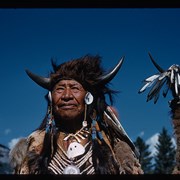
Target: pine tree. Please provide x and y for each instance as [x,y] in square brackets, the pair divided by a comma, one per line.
[145,156]
[165,156]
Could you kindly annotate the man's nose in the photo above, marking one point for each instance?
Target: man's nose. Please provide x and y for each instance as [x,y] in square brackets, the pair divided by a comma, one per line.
[67,94]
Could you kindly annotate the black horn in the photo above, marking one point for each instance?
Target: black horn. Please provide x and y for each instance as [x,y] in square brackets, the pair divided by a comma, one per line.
[110,75]
[156,65]
[41,81]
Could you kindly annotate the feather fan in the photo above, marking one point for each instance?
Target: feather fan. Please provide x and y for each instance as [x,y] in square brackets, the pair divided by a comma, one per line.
[170,79]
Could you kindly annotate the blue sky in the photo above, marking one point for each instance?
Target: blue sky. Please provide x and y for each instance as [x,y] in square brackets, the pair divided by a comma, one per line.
[30,37]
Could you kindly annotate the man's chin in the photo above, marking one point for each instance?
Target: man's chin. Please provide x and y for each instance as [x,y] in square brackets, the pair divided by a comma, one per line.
[69,116]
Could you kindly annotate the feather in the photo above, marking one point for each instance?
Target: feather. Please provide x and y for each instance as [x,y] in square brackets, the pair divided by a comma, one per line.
[152,78]
[163,75]
[174,79]
[178,79]
[172,76]
[155,90]
[113,122]
[176,84]
[167,87]
[148,84]
[50,96]
[156,97]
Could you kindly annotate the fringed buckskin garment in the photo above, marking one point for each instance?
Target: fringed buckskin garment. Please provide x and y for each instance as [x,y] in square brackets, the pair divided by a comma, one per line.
[126,159]
[81,133]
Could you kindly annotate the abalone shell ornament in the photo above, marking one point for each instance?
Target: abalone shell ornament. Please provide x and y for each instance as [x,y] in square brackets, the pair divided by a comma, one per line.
[88,98]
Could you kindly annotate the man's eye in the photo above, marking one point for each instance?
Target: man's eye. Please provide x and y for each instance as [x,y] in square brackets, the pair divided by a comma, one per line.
[75,88]
[59,89]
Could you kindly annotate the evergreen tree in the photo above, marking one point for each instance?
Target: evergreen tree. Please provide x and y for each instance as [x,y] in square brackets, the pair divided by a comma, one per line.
[165,156]
[145,158]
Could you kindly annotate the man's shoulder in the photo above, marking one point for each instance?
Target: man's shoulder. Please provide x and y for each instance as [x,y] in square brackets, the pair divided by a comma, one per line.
[37,134]
[35,140]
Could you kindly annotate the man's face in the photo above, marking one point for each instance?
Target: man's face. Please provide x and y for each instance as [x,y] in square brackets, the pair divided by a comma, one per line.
[68,99]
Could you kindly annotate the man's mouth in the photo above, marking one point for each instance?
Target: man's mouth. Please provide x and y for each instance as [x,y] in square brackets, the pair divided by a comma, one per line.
[67,106]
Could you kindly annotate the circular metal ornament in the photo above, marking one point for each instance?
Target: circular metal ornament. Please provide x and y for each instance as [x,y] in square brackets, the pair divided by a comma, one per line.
[71,169]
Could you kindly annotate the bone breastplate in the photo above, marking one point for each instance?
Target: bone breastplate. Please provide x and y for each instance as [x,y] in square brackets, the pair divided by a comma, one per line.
[73,155]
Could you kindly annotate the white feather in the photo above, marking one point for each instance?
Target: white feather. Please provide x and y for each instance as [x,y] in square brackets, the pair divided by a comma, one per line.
[148,84]
[49,96]
[163,75]
[152,78]
[116,123]
[172,76]
[178,79]
[176,85]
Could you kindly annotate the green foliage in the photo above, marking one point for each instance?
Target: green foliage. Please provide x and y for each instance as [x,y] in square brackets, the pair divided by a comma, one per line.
[165,156]
[163,161]
[145,156]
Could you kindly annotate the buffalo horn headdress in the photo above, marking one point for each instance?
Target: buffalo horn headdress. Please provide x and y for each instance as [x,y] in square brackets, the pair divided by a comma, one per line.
[97,80]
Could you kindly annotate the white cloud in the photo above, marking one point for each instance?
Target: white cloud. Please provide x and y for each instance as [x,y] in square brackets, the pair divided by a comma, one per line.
[141,134]
[174,141]
[7,131]
[153,140]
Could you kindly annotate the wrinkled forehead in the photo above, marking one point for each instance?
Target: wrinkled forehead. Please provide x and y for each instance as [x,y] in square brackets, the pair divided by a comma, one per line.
[69,82]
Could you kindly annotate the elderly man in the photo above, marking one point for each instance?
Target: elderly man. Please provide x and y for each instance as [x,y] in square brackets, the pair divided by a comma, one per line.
[81,133]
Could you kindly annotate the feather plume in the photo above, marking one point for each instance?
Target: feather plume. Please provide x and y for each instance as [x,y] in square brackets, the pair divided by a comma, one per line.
[148,82]
[170,78]
[178,77]
[152,78]
[166,88]
[154,92]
